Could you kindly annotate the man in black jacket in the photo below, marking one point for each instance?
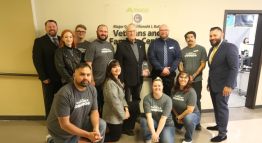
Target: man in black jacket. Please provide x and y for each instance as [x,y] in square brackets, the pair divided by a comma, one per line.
[131,54]
[43,58]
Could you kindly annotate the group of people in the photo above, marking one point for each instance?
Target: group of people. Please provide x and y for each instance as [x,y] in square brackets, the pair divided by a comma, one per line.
[83,82]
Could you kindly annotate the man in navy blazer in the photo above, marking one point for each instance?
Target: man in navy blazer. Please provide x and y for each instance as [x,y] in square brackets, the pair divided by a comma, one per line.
[223,68]
[131,55]
[43,58]
[164,55]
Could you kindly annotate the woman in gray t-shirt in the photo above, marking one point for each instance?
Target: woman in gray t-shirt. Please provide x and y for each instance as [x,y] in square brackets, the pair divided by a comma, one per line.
[184,106]
[158,125]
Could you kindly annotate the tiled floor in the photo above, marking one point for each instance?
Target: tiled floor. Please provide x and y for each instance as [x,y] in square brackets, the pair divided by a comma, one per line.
[244,127]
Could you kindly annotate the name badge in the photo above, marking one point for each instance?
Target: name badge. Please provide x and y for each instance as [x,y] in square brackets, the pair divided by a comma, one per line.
[171,48]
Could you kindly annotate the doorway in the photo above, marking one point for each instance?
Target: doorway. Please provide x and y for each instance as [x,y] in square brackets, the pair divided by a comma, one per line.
[243,28]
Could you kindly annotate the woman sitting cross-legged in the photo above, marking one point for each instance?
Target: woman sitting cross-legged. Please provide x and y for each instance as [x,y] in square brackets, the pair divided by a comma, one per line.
[158,125]
[184,106]
[115,108]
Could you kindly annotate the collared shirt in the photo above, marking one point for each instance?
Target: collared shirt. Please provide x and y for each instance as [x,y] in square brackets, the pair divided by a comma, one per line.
[135,50]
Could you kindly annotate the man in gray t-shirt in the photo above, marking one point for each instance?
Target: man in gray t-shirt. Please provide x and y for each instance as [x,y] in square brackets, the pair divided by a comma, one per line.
[98,55]
[74,113]
[193,62]
[81,43]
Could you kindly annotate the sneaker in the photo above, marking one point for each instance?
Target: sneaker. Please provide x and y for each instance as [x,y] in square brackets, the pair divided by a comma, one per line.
[198,127]
[49,139]
[186,141]
[148,141]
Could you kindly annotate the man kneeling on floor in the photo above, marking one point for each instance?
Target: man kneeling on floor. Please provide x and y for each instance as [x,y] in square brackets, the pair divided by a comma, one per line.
[74,115]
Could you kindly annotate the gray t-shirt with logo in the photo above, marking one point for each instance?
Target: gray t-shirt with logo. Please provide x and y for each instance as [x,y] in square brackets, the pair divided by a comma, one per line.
[99,53]
[82,48]
[74,103]
[159,107]
[191,59]
[182,100]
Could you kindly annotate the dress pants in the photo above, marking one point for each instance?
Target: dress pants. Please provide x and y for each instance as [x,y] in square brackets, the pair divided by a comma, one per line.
[49,90]
[133,99]
[220,104]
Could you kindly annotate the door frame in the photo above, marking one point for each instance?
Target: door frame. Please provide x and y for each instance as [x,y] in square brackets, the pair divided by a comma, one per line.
[257,57]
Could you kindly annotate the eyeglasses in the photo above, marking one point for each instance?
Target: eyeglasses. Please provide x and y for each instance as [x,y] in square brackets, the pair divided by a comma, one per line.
[78,31]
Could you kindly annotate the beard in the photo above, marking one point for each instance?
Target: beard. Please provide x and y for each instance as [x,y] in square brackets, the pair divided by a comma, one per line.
[216,43]
[101,38]
[83,83]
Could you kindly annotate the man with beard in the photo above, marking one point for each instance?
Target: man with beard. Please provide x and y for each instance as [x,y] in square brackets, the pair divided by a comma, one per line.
[223,69]
[164,56]
[43,58]
[131,55]
[98,55]
[74,115]
[193,61]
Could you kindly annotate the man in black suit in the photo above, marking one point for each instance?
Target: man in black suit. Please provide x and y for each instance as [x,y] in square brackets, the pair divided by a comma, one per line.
[131,55]
[223,69]
[43,58]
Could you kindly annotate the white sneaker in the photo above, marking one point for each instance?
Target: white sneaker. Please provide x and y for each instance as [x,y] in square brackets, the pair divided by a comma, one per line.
[48,139]
[186,141]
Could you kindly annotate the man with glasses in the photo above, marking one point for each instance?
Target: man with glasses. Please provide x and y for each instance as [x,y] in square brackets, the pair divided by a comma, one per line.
[131,55]
[81,43]
[164,56]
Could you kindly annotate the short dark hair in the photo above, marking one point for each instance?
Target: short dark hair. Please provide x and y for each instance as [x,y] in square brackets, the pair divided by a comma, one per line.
[81,26]
[190,32]
[50,20]
[216,28]
[101,25]
[82,65]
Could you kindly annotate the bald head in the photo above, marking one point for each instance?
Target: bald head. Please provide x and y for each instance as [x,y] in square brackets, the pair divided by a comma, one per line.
[163,31]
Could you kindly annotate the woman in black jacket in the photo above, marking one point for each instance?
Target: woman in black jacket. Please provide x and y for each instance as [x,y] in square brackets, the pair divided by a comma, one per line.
[67,57]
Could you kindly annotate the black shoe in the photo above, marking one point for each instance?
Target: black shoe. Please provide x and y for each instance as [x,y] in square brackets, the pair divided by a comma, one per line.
[198,127]
[128,132]
[213,128]
[218,139]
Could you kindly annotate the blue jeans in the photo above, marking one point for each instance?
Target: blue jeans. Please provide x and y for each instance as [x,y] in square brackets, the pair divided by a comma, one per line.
[190,122]
[87,127]
[166,136]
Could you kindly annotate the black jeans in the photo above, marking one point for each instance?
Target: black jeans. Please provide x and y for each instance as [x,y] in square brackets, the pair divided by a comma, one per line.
[198,88]
[100,99]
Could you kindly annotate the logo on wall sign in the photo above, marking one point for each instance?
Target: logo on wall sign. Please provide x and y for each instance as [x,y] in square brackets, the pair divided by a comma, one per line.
[137,18]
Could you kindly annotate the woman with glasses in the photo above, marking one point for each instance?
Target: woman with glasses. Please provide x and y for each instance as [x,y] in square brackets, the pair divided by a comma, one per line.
[184,106]
[157,125]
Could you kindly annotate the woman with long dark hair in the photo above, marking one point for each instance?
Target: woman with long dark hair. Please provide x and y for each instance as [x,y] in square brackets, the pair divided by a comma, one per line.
[115,109]
[184,106]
